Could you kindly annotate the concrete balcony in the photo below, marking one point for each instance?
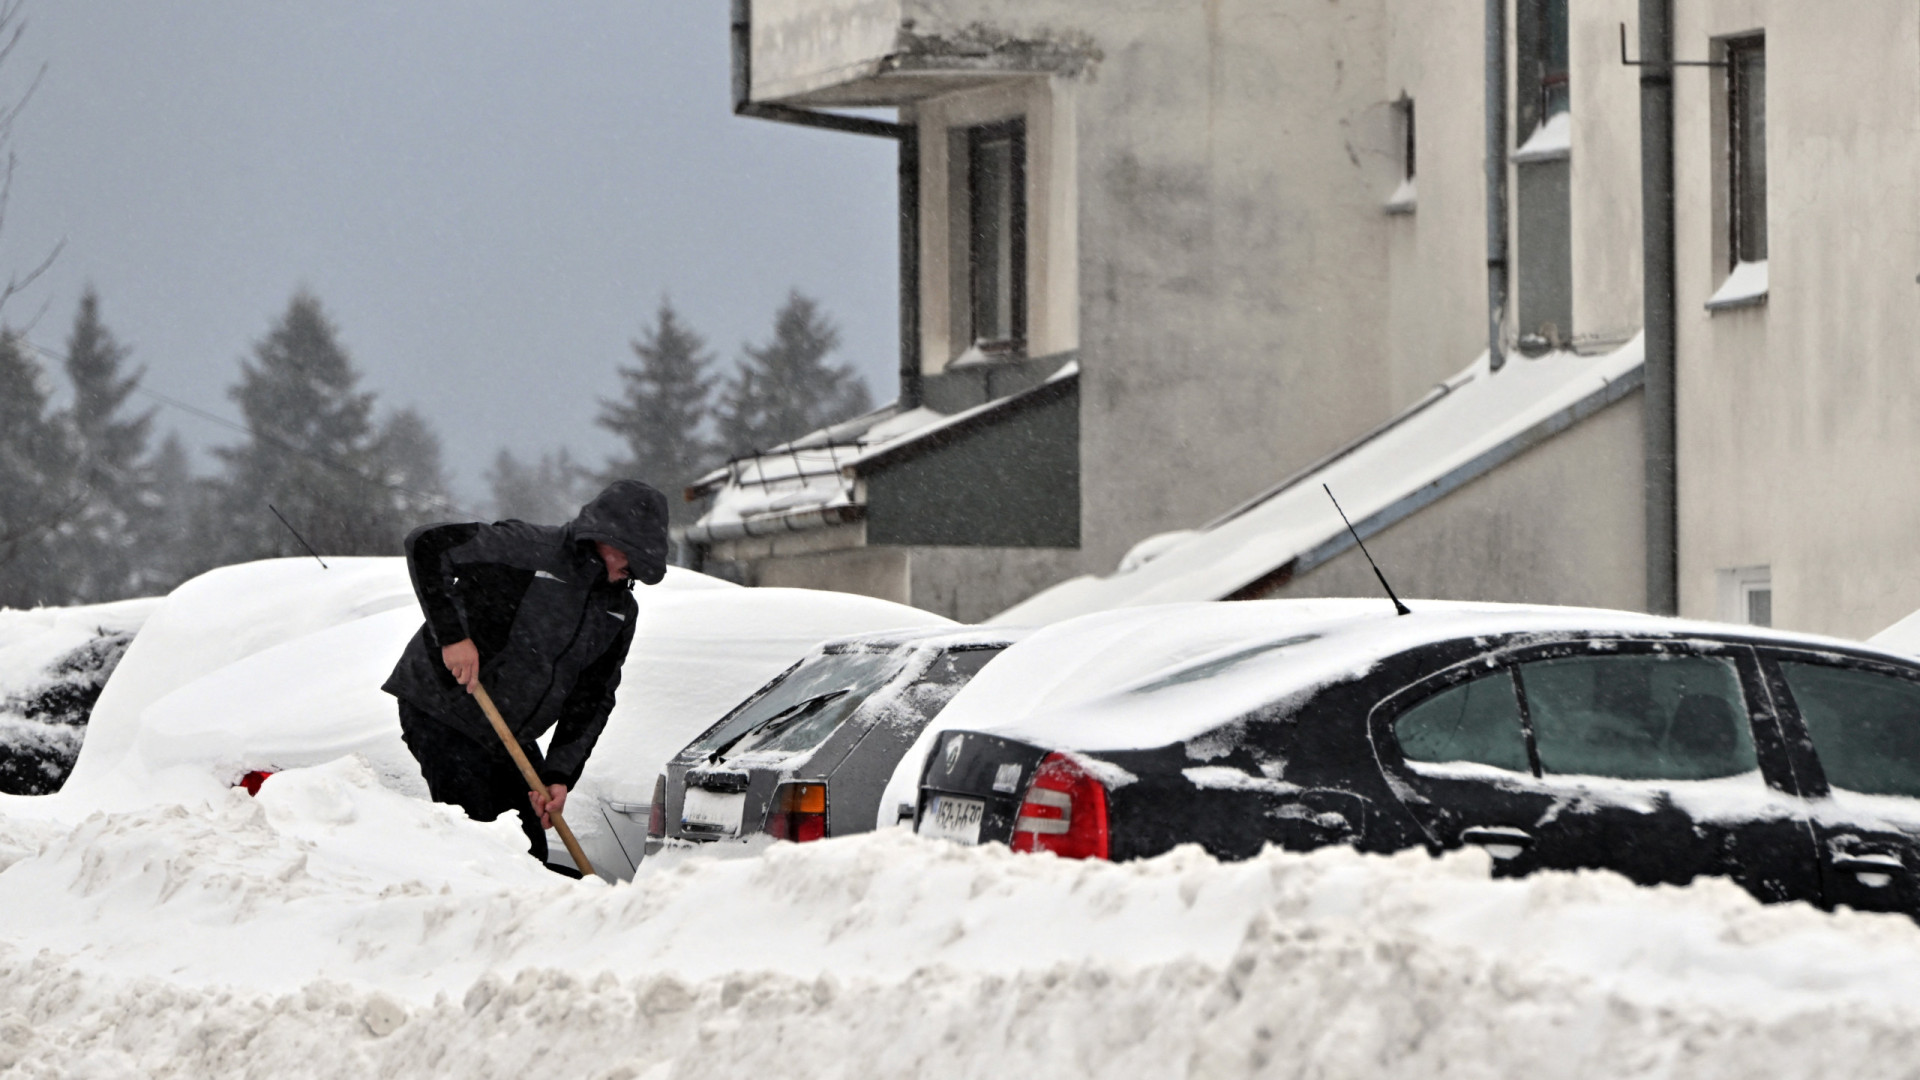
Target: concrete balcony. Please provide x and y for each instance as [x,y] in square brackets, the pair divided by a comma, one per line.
[851,53]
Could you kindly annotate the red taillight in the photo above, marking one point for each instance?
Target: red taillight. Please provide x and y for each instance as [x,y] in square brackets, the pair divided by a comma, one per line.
[1065,812]
[657,813]
[253,780]
[799,813]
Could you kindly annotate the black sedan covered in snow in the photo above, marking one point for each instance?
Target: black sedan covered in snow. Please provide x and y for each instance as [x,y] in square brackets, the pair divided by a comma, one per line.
[1554,738]
[807,756]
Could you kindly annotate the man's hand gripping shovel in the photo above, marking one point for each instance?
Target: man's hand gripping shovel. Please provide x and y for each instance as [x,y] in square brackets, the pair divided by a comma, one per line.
[501,729]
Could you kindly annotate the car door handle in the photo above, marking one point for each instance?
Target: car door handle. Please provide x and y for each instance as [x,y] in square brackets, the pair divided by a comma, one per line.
[1874,871]
[1500,841]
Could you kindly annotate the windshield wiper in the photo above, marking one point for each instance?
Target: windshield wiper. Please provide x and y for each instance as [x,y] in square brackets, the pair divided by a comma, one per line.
[779,721]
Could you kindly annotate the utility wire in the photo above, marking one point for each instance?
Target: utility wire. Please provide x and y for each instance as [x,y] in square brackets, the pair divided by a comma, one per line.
[274,440]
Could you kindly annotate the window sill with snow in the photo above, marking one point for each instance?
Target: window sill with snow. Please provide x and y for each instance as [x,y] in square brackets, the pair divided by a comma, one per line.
[1745,287]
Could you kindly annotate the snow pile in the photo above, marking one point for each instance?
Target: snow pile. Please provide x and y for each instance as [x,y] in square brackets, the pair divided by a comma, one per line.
[54,663]
[278,664]
[335,928]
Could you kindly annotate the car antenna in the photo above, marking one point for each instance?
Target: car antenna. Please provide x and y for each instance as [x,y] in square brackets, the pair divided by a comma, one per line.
[1398,607]
[302,539]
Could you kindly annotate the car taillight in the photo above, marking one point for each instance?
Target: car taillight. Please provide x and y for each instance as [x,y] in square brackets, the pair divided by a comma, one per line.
[799,813]
[1065,812]
[657,813]
[253,780]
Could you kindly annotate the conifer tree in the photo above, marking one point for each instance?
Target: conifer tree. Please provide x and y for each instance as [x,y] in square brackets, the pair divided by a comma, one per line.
[547,492]
[407,457]
[39,492]
[786,388]
[662,409]
[179,526]
[103,549]
[311,452]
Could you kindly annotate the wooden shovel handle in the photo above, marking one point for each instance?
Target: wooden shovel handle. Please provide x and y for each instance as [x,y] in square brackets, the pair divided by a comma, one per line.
[501,729]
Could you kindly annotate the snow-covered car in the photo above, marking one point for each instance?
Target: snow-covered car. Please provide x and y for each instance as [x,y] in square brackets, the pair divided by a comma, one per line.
[808,755]
[274,665]
[1554,738]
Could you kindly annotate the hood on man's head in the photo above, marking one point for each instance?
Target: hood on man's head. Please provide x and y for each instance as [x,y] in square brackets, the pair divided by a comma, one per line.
[632,517]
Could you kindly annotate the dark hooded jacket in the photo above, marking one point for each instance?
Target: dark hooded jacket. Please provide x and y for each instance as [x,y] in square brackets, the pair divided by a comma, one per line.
[551,630]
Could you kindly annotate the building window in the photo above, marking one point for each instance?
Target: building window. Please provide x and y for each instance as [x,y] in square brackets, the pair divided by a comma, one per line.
[1405,108]
[1543,196]
[1541,45]
[1746,595]
[997,235]
[1403,197]
[1747,148]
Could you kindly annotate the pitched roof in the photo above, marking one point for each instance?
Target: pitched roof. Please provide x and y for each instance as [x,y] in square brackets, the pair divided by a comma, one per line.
[1464,428]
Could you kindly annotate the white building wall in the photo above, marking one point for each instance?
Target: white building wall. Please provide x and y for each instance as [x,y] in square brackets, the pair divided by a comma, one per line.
[1799,432]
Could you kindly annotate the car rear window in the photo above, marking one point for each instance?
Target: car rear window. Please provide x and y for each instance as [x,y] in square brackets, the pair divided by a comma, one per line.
[800,710]
[1476,722]
[1865,726]
[1639,716]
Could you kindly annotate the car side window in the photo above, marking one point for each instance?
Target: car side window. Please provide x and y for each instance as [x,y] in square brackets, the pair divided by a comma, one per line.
[1476,721]
[1865,726]
[1639,716]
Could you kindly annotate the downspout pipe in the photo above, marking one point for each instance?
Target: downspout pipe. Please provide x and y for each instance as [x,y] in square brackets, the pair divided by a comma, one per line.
[1496,130]
[1656,246]
[907,135]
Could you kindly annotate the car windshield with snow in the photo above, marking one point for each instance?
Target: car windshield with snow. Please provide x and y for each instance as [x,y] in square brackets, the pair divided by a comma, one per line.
[808,756]
[1554,738]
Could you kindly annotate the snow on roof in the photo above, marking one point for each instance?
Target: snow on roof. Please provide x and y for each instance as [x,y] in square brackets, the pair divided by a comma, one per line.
[1464,428]
[1069,370]
[1902,637]
[809,481]
[804,475]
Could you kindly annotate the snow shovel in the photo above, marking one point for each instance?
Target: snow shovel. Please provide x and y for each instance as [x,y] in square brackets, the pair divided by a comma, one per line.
[501,729]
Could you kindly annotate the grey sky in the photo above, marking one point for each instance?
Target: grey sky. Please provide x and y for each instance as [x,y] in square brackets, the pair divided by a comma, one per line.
[489,197]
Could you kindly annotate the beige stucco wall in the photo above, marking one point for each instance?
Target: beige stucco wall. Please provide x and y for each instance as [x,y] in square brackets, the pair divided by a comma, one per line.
[969,584]
[803,45]
[1232,159]
[1437,281]
[963,583]
[1053,309]
[1560,524]
[1605,159]
[1799,437]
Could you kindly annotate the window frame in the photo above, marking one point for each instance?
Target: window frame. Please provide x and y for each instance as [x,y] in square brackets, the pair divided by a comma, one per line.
[1780,769]
[1014,130]
[1809,769]
[1743,243]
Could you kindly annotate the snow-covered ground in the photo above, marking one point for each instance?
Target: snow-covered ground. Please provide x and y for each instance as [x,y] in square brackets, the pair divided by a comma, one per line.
[337,926]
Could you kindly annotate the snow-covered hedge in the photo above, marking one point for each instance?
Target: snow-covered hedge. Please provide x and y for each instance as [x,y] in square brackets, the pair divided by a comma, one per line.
[53,664]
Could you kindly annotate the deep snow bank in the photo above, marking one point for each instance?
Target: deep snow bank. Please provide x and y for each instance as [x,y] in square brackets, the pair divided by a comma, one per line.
[335,928]
[277,664]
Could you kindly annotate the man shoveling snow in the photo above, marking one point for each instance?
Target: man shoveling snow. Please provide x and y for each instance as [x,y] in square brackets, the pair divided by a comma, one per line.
[546,613]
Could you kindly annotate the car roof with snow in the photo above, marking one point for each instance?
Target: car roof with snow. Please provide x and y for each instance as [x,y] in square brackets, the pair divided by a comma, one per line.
[930,637]
[1149,676]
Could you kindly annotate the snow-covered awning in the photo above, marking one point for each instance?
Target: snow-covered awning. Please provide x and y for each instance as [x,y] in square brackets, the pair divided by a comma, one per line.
[799,484]
[1464,428]
[811,482]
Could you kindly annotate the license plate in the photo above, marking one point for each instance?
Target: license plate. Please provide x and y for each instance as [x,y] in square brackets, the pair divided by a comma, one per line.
[712,812]
[951,818]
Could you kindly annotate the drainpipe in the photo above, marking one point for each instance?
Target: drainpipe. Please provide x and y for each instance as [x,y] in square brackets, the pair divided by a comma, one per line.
[909,185]
[1656,246]
[1496,77]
